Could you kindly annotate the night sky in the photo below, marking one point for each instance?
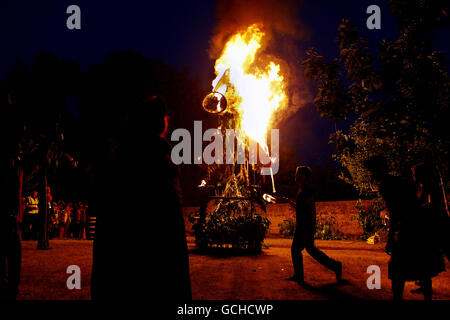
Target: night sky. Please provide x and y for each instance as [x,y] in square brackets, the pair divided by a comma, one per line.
[178,32]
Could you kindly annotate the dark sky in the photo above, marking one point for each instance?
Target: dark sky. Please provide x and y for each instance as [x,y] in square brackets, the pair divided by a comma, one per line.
[177,32]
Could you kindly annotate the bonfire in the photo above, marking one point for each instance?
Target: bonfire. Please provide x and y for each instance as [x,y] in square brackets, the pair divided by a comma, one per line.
[247,91]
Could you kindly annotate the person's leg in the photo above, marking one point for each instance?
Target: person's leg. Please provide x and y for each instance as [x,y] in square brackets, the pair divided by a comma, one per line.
[427,288]
[33,227]
[14,264]
[297,257]
[24,227]
[27,225]
[324,260]
[37,226]
[397,288]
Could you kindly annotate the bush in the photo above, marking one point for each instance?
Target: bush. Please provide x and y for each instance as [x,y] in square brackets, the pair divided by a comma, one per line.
[369,217]
[287,228]
[224,227]
[325,229]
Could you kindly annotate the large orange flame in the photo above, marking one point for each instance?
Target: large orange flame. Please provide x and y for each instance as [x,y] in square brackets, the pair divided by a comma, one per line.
[257,87]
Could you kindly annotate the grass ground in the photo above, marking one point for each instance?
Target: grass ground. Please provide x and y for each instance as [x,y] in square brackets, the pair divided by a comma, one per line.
[219,277]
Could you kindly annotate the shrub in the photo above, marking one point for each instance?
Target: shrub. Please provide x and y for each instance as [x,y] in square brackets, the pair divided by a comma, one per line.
[287,228]
[224,227]
[325,229]
[369,217]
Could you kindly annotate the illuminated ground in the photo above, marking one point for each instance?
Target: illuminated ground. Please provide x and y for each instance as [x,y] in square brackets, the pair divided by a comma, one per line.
[233,277]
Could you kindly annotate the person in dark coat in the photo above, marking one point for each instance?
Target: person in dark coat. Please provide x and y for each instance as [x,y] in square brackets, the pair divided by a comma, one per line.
[11,179]
[433,207]
[414,254]
[140,248]
[306,228]
[433,203]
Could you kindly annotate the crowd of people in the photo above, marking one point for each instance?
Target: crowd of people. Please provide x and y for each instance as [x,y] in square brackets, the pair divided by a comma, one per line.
[66,219]
[69,220]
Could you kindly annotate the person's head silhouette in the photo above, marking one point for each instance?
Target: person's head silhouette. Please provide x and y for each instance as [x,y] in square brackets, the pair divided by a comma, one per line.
[149,117]
[302,174]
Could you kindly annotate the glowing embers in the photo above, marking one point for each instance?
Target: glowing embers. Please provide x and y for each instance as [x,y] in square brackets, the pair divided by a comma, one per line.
[215,102]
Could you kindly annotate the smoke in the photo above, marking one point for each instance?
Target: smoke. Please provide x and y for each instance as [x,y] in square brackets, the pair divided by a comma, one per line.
[236,15]
[284,33]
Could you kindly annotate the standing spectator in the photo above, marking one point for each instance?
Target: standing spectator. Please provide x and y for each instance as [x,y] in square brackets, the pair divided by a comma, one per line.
[69,219]
[432,200]
[434,211]
[63,220]
[31,216]
[121,235]
[49,205]
[410,242]
[55,220]
[77,220]
[83,221]
[11,183]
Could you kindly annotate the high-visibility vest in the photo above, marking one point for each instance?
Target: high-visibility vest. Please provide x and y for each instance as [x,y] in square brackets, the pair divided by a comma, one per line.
[33,205]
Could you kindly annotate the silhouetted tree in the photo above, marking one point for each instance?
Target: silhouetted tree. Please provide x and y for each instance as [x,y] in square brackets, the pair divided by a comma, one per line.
[113,86]
[399,96]
[33,107]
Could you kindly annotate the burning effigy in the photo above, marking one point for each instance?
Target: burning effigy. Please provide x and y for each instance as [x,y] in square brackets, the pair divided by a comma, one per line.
[248,89]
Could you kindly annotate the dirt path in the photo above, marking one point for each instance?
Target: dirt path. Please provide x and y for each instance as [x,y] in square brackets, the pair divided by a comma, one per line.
[230,277]
[263,276]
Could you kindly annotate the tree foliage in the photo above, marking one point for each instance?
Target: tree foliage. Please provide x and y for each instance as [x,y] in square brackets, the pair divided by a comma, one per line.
[33,110]
[397,94]
[52,107]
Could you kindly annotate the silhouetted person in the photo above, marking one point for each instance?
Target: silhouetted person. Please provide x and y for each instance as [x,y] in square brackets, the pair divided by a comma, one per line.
[10,243]
[140,249]
[433,203]
[306,228]
[414,256]
[31,216]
